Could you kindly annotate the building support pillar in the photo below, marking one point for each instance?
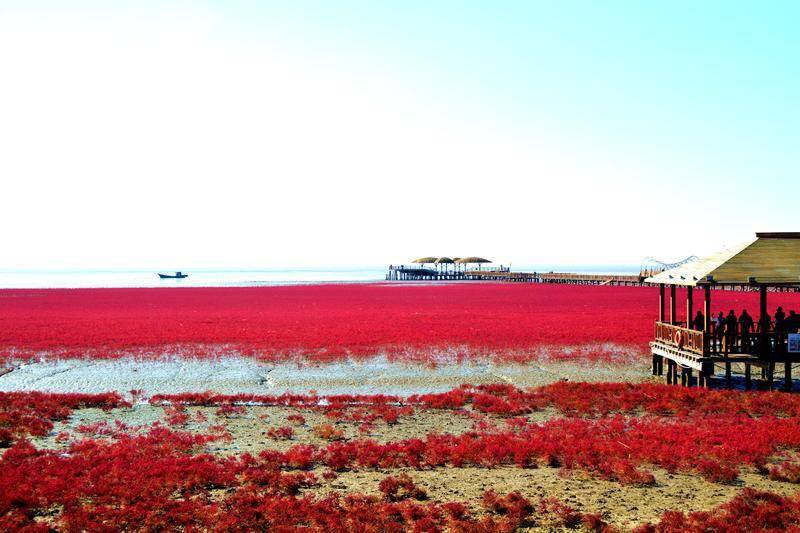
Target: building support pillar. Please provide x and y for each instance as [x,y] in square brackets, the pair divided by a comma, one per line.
[672,309]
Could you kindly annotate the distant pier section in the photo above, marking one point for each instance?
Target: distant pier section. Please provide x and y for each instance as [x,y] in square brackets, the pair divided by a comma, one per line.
[476,269]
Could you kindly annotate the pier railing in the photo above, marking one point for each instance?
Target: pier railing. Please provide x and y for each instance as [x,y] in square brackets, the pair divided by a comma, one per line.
[683,338]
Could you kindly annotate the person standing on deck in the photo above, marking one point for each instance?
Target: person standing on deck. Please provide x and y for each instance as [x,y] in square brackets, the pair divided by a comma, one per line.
[699,321]
[780,329]
[792,322]
[764,327]
[719,329]
[746,328]
[730,331]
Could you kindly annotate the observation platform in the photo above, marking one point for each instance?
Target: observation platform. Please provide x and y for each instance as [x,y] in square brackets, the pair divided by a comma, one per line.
[769,263]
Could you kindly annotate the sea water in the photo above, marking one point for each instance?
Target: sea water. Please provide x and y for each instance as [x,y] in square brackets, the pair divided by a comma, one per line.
[197,278]
[89,278]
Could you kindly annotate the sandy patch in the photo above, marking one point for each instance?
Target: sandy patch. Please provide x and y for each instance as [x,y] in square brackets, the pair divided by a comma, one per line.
[620,505]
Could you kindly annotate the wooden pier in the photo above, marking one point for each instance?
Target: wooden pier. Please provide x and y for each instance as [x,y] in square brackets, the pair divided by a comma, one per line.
[446,269]
[415,273]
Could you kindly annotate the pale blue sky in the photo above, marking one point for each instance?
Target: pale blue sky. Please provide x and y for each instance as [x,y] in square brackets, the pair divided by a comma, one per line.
[340,133]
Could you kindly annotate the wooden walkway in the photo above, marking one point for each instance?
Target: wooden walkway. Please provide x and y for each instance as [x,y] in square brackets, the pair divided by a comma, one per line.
[406,273]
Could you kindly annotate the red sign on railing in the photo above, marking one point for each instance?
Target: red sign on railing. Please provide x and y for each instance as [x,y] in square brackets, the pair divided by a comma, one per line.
[686,339]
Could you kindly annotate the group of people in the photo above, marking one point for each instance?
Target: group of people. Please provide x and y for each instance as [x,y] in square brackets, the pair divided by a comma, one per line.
[726,329]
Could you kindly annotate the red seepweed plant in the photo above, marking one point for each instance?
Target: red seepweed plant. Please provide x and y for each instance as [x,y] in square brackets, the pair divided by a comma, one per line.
[328,322]
[163,479]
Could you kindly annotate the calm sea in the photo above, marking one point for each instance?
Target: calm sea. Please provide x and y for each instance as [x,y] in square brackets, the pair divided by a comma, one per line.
[225,278]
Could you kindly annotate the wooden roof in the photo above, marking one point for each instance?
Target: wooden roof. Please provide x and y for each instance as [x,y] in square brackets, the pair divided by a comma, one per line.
[769,259]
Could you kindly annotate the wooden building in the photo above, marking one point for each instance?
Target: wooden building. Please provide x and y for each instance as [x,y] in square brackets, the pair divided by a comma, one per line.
[770,262]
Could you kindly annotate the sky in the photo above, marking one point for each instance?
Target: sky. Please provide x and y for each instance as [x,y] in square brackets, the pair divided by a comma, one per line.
[260,134]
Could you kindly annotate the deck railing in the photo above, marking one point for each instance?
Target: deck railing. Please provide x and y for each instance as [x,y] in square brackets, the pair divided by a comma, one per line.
[683,338]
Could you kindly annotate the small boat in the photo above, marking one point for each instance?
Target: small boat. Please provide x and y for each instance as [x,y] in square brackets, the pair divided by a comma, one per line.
[176,275]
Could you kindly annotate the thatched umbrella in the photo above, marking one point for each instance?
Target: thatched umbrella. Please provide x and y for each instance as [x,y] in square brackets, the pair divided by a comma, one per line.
[471,260]
[425,260]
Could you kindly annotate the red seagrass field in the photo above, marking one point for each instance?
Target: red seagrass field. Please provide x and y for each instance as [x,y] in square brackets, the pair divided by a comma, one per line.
[322,322]
[565,455]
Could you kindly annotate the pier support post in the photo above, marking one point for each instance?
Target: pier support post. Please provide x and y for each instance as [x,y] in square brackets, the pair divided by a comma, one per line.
[727,374]
[706,372]
[787,370]
[688,377]
[669,371]
[748,380]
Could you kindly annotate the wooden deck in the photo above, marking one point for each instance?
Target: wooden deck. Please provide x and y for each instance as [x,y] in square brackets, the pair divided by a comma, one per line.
[687,351]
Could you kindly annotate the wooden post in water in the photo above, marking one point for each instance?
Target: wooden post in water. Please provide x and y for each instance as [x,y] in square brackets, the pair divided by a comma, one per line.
[748,381]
